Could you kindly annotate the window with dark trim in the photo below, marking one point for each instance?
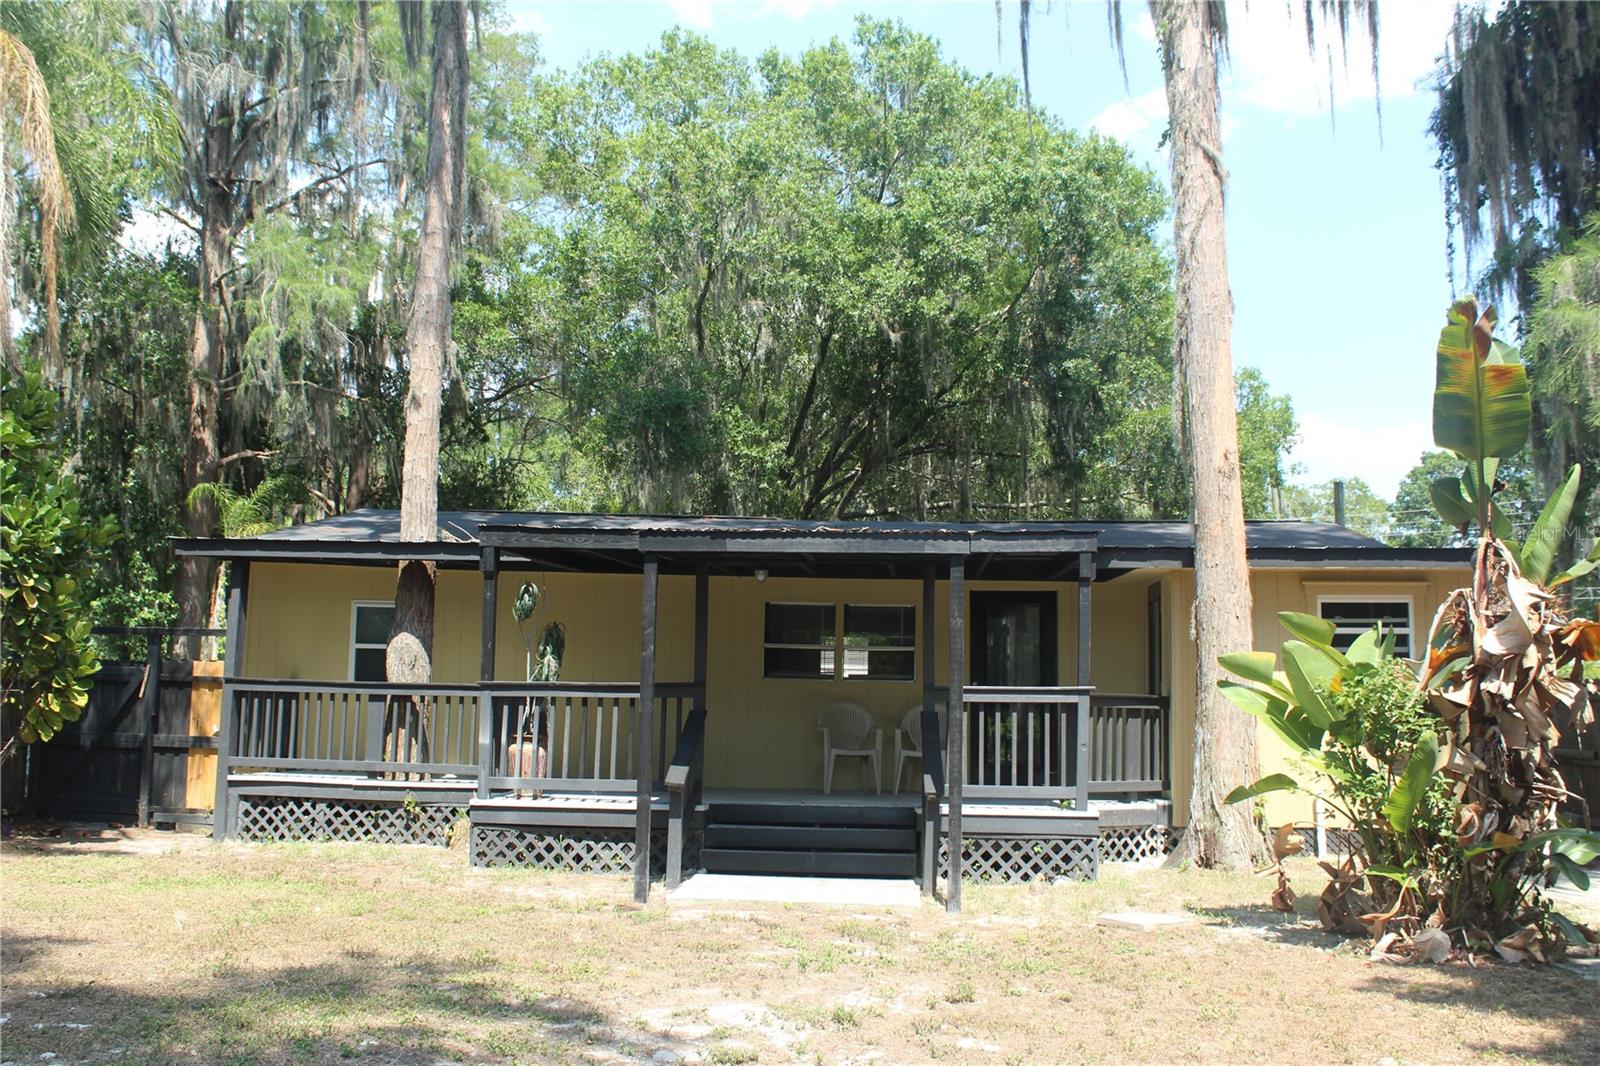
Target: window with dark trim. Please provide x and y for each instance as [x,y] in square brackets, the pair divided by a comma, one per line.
[875,642]
[880,642]
[800,640]
[1354,615]
[369,638]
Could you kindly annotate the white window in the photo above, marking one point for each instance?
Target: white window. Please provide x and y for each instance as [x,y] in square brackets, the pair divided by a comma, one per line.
[370,623]
[800,640]
[880,642]
[1352,615]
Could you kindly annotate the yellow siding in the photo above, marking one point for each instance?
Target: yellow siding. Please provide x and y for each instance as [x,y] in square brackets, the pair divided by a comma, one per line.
[762,732]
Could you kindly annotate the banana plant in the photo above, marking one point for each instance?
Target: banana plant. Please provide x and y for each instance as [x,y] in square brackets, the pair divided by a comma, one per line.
[1482,404]
[1290,703]
[1482,410]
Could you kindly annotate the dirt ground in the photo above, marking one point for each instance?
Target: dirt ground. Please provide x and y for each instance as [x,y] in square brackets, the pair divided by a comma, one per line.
[147,947]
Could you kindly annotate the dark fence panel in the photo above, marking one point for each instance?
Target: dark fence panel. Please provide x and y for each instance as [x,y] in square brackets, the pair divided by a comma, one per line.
[127,757]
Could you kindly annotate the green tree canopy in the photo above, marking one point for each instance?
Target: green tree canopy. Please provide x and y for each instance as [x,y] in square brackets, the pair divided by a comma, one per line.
[858,281]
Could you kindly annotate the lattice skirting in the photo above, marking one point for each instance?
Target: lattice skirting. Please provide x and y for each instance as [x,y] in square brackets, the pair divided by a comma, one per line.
[1135,843]
[1018,859]
[1340,842]
[267,818]
[593,851]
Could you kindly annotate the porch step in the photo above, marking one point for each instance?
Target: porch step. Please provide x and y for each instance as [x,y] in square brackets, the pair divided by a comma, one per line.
[810,839]
[810,863]
[803,813]
[798,837]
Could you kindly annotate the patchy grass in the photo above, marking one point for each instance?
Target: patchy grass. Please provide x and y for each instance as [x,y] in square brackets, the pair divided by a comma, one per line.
[349,953]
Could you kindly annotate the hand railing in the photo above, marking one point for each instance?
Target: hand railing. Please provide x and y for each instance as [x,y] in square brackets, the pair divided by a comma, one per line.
[1128,744]
[348,727]
[559,737]
[685,780]
[1023,742]
[932,791]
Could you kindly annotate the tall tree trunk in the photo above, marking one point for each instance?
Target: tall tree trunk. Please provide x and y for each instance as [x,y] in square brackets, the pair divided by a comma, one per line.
[196,577]
[410,652]
[1225,737]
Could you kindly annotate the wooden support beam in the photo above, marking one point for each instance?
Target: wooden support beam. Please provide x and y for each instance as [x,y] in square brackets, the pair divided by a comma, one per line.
[151,712]
[232,665]
[955,711]
[489,566]
[1085,626]
[643,728]
[1085,597]
[702,630]
[930,826]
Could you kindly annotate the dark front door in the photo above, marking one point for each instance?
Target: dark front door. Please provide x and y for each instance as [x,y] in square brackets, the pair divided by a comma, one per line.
[1014,638]
[1014,646]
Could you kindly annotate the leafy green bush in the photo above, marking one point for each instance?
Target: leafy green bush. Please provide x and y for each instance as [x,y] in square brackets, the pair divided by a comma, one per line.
[1380,720]
[47,557]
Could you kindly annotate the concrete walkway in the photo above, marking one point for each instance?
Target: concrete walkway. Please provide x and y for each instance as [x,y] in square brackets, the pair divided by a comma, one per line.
[815,891]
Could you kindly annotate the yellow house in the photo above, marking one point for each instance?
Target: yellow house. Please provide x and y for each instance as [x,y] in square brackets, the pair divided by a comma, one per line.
[758,695]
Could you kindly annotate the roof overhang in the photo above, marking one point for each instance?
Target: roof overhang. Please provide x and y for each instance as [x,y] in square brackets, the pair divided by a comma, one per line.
[1278,558]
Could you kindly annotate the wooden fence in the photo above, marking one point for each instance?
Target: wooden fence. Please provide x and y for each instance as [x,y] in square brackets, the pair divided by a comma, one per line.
[144,749]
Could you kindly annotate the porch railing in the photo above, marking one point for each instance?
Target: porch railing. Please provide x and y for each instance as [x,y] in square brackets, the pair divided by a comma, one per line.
[1024,743]
[560,737]
[1128,744]
[497,736]
[685,783]
[351,727]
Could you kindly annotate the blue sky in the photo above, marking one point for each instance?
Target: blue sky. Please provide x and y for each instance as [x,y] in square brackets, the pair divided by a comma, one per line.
[1336,243]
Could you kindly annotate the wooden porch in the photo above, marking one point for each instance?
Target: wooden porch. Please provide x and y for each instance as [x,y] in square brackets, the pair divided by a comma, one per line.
[297,753]
[611,775]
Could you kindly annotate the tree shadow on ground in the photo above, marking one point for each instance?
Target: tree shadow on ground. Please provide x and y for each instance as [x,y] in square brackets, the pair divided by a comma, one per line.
[357,1007]
[1506,995]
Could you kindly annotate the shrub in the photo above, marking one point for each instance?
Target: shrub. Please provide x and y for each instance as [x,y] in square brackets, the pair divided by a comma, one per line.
[47,556]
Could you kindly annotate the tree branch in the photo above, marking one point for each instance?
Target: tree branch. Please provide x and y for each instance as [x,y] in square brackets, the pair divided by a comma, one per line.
[324,180]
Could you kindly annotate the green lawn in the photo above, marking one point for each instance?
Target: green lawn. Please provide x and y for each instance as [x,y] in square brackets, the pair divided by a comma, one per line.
[323,953]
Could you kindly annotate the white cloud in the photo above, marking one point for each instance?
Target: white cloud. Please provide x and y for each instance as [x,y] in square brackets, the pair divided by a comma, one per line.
[1272,69]
[795,9]
[524,17]
[1380,455]
[1130,117]
[695,14]
[703,14]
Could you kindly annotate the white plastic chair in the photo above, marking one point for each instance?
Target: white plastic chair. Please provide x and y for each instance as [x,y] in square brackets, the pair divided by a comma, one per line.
[908,738]
[847,729]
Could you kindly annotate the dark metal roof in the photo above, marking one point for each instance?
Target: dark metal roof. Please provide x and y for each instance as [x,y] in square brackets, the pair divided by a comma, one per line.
[379,526]
[372,535]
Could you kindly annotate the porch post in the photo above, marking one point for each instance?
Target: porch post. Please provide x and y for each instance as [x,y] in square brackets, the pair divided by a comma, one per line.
[489,566]
[151,713]
[702,629]
[232,662]
[643,728]
[930,818]
[1085,595]
[956,715]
